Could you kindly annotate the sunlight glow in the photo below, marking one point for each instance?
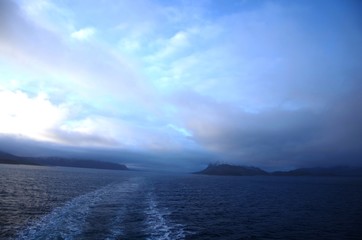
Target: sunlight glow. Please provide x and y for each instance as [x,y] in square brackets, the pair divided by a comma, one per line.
[26,116]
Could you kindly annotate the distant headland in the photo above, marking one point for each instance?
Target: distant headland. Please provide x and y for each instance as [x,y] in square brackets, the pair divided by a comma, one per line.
[6,158]
[233,170]
[226,169]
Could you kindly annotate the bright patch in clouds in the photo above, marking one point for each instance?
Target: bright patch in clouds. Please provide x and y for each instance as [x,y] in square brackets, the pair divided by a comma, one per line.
[31,117]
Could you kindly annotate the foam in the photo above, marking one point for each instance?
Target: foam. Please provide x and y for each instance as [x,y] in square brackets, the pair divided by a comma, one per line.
[116,230]
[158,223]
[68,222]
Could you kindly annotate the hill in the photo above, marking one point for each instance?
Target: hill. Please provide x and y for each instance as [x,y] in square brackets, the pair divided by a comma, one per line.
[338,171]
[6,158]
[231,170]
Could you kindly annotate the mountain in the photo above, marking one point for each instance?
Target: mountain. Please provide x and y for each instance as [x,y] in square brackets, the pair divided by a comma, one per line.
[338,171]
[6,158]
[81,163]
[231,170]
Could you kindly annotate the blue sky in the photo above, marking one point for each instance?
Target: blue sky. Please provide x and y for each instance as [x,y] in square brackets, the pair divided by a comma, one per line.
[267,83]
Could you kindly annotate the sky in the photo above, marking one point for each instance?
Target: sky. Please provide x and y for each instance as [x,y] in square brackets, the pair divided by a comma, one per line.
[179,84]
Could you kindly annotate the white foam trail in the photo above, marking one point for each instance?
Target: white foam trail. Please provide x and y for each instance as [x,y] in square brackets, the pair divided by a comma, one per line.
[116,229]
[159,226]
[67,222]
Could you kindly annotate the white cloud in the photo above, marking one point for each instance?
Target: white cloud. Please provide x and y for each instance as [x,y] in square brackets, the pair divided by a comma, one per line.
[170,47]
[26,116]
[179,39]
[83,34]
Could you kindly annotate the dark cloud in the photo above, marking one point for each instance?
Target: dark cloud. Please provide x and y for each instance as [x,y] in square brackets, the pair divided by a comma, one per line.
[278,138]
[143,160]
[81,139]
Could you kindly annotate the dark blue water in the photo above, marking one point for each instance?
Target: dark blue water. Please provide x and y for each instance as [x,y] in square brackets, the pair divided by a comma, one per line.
[70,203]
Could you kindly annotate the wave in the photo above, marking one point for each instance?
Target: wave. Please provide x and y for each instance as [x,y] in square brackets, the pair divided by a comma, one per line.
[107,213]
[116,226]
[69,221]
[158,223]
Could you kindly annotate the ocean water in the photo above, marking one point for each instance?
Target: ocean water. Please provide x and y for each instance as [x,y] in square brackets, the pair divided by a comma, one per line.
[72,203]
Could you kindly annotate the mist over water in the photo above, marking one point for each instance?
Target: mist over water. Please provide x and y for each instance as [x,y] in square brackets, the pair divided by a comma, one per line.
[70,203]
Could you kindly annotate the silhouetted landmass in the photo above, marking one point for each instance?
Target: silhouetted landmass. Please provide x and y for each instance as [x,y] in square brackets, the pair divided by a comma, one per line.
[6,158]
[232,170]
[341,171]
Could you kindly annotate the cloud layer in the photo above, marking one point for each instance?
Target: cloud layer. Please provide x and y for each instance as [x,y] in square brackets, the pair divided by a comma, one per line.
[267,83]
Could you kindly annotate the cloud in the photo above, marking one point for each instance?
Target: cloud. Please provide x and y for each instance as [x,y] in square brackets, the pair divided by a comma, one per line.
[174,44]
[39,119]
[30,117]
[277,138]
[263,83]
[83,34]
[149,160]
[181,130]
[31,47]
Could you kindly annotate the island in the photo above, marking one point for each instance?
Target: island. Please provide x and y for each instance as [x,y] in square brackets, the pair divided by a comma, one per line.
[231,170]
[7,158]
[234,170]
[336,171]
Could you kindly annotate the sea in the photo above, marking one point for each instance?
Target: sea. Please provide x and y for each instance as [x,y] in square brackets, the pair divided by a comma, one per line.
[73,203]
